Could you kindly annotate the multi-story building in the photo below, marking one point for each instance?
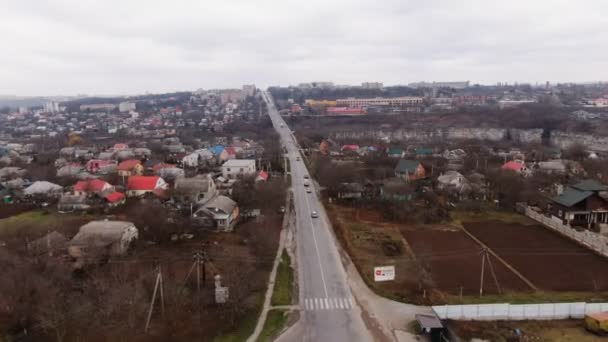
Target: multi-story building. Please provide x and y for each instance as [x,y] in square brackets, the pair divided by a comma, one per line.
[454,85]
[406,101]
[249,89]
[372,85]
[102,107]
[126,106]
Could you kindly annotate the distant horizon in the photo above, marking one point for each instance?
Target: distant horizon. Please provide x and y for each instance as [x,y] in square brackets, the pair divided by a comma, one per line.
[144,93]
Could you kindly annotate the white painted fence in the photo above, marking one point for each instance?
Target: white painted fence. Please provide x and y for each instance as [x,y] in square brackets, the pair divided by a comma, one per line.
[505,311]
[594,241]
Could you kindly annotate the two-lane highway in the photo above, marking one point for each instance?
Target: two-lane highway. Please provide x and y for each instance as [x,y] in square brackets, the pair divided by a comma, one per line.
[330,313]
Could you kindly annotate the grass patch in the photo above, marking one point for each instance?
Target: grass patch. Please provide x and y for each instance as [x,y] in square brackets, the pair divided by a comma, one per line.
[38,222]
[490,215]
[247,324]
[283,282]
[275,321]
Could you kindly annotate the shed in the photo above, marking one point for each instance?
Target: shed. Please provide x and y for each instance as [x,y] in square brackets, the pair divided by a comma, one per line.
[431,325]
[111,237]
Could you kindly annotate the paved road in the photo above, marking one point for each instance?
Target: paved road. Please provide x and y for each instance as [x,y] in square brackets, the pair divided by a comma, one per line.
[330,312]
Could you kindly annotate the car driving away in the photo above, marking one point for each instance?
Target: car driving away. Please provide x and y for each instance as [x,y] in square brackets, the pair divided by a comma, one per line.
[314,214]
[306,177]
[308,190]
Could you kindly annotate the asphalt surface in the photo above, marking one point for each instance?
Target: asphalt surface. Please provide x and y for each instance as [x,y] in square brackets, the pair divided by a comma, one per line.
[329,311]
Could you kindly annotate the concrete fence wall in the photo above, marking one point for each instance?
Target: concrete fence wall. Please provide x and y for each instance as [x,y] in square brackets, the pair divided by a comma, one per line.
[505,311]
[594,241]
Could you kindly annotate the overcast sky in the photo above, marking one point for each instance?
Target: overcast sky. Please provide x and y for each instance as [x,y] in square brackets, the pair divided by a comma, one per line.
[127,47]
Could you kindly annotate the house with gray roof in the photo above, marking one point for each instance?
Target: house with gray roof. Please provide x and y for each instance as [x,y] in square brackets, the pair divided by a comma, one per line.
[220,213]
[583,204]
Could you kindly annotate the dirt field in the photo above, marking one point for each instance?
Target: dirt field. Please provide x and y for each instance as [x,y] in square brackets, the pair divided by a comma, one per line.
[453,260]
[550,261]
[541,331]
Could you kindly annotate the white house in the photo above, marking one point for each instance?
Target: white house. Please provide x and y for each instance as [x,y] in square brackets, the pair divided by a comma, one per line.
[197,157]
[235,168]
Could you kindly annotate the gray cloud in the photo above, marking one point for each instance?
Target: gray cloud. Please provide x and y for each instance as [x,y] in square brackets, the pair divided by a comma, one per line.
[111,46]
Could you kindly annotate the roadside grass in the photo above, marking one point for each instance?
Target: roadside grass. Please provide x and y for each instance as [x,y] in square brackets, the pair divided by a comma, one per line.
[275,322]
[246,325]
[283,282]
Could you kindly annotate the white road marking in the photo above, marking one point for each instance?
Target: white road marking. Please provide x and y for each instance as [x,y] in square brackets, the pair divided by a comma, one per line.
[314,237]
[318,304]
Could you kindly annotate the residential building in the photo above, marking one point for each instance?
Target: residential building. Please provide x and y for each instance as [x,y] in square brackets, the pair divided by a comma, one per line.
[235,168]
[92,187]
[371,85]
[453,85]
[138,186]
[583,204]
[111,237]
[220,213]
[126,106]
[249,89]
[517,166]
[130,167]
[410,170]
[199,189]
[336,111]
[412,101]
[100,107]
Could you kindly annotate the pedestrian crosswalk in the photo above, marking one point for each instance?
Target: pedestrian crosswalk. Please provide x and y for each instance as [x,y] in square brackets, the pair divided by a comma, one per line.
[316,304]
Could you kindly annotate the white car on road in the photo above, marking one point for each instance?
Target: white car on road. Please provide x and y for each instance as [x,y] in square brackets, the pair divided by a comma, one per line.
[314,214]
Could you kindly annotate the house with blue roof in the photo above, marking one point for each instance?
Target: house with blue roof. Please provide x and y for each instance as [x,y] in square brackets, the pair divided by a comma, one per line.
[217,149]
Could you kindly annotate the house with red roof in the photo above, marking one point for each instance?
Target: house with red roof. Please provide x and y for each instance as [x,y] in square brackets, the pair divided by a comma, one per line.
[517,166]
[115,199]
[92,187]
[130,167]
[138,186]
[262,176]
[118,147]
[353,148]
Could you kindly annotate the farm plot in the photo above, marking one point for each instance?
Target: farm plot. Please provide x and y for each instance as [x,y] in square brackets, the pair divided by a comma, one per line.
[549,260]
[453,260]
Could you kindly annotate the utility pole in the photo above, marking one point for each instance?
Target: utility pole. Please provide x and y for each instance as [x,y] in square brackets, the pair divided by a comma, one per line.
[486,255]
[157,285]
[483,264]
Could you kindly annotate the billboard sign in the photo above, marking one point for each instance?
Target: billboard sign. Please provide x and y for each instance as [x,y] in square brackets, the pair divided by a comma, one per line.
[384,273]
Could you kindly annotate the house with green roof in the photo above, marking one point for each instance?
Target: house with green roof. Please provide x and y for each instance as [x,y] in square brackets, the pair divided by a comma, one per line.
[410,170]
[422,152]
[395,152]
[582,204]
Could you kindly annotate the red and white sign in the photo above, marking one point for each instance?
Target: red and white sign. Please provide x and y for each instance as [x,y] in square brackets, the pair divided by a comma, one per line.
[384,273]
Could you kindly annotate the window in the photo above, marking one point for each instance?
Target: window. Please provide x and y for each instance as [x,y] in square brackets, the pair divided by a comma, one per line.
[242,169]
[560,214]
[228,169]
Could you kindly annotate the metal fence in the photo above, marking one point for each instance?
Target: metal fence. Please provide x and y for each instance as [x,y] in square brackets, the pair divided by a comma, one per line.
[594,241]
[505,311]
